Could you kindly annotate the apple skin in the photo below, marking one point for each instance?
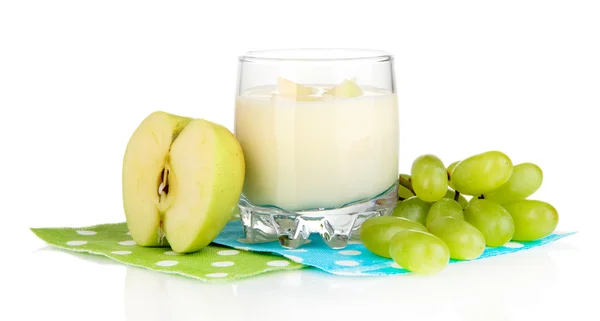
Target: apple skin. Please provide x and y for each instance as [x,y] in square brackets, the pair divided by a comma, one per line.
[217,180]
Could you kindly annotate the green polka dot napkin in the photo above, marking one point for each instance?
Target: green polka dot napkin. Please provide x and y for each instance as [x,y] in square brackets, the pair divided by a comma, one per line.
[228,258]
[213,263]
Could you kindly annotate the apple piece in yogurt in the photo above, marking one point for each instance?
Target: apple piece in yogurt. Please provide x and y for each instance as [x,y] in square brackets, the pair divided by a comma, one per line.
[346,89]
[292,90]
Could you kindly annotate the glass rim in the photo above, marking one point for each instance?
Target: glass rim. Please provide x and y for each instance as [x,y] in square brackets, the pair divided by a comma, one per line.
[316,55]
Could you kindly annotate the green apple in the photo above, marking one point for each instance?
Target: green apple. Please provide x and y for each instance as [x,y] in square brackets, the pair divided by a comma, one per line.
[182,179]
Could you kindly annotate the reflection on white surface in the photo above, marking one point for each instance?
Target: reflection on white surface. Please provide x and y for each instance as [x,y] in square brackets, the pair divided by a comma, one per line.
[490,289]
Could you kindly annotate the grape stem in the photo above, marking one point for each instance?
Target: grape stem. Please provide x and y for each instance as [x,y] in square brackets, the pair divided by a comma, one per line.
[456,195]
[406,183]
[480,197]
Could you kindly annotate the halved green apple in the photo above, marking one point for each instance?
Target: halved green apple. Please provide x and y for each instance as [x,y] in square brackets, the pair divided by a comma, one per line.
[182,179]
[346,89]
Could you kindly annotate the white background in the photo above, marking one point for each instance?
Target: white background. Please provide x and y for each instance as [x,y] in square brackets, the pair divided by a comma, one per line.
[76,78]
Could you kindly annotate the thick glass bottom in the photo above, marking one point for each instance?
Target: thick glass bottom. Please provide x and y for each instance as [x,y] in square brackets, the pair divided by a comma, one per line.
[292,229]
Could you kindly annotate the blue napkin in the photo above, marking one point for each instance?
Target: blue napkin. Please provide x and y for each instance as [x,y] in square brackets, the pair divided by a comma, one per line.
[355,259]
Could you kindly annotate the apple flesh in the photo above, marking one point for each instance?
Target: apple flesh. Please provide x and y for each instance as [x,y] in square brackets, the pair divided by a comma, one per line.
[182,179]
[346,89]
[295,91]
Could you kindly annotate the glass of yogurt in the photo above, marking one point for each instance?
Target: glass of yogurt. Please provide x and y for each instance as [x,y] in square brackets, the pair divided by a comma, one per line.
[319,131]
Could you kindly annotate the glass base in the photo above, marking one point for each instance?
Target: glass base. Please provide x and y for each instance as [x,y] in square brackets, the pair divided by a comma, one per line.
[292,229]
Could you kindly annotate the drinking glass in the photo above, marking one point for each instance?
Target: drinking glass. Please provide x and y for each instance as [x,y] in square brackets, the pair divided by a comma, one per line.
[319,132]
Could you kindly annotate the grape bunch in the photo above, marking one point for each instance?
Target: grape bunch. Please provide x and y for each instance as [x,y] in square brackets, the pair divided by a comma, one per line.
[455,212]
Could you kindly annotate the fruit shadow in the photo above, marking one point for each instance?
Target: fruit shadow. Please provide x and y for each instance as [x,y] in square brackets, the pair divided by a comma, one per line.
[155,296]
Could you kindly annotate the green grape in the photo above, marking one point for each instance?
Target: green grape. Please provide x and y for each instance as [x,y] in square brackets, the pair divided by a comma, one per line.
[404,193]
[429,178]
[471,201]
[525,180]
[464,240]
[492,220]
[461,198]
[533,219]
[451,167]
[449,170]
[376,232]
[442,208]
[412,208]
[419,252]
[481,173]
